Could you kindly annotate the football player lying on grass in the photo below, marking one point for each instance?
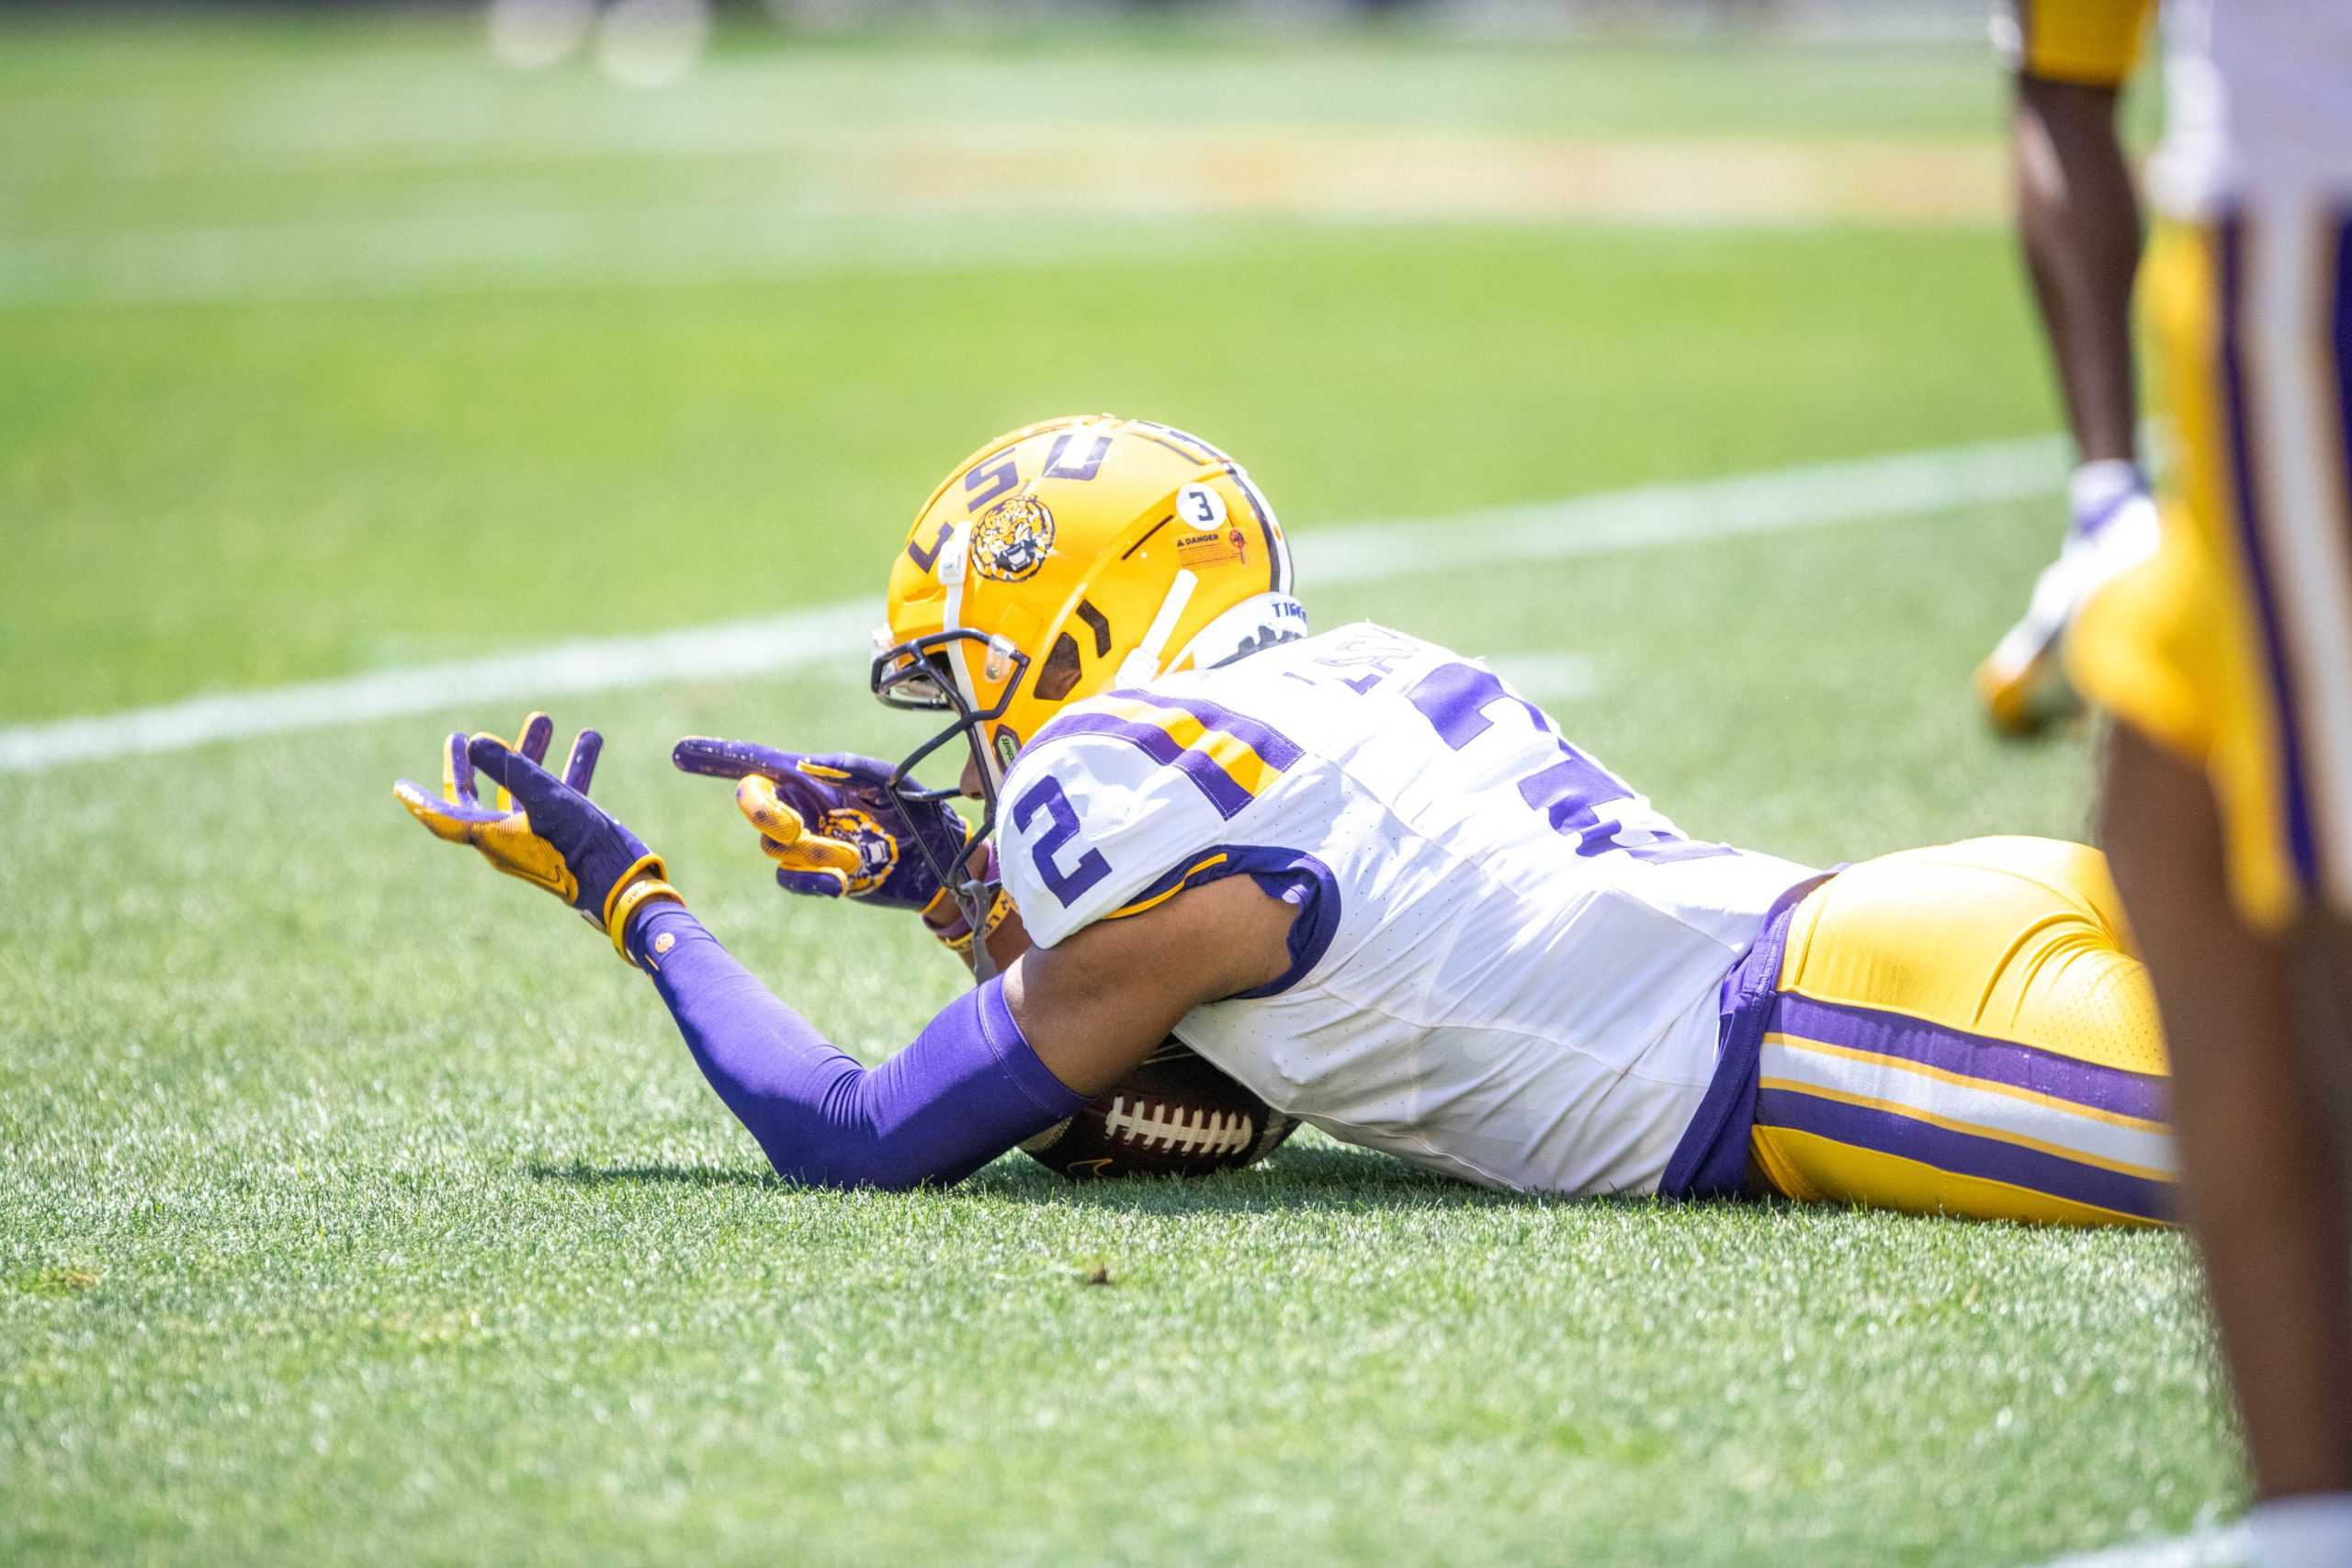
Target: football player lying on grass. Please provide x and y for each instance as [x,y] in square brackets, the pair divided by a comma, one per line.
[1360,874]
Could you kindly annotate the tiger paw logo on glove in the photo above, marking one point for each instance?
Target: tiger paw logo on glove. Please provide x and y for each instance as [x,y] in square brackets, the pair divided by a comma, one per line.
[837,826]
[877,849]
[1013,538]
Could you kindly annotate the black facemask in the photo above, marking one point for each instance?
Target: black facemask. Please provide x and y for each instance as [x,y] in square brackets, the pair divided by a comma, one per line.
[916,676]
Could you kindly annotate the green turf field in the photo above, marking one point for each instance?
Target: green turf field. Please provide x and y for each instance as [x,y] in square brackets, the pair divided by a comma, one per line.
[356,1206]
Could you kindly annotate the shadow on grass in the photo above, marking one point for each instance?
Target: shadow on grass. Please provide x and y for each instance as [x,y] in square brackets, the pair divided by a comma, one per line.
[1328,1176]
[1322,1176]
[579,1173]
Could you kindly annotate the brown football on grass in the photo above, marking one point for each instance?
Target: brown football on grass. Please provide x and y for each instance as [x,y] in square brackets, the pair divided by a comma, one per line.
[1175,1115]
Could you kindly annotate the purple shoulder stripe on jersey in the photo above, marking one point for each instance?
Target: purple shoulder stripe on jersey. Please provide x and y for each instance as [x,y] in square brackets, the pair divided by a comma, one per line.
[1710,1159]
[1294,877]
[1277,750]
[1212,781]
[1974,1057]
[1963,1154]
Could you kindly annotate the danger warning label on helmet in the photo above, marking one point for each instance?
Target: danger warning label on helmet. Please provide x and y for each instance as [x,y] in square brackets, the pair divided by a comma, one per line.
[1212,547]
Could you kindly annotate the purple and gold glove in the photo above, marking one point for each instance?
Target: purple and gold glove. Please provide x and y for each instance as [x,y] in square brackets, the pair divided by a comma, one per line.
[834,826]
[542,828]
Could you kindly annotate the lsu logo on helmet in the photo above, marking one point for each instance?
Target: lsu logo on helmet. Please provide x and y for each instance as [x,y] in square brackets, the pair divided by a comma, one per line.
[1013,538]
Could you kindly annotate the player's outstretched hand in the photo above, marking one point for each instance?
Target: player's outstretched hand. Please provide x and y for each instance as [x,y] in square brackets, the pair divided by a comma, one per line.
[833,825]
[540,828]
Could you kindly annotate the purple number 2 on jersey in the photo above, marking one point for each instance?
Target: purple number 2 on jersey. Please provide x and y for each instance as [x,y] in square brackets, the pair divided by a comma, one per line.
[1046,795]
[1570,793]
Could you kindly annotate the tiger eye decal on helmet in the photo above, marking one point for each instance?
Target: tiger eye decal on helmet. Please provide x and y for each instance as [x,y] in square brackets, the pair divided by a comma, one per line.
[1013,538]
[1097,623]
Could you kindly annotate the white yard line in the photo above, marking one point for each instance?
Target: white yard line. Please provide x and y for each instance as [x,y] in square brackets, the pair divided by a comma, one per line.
[599,664]
[512,251]
[1907,485]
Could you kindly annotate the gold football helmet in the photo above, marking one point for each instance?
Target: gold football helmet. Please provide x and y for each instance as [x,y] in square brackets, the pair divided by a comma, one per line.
[1068,557]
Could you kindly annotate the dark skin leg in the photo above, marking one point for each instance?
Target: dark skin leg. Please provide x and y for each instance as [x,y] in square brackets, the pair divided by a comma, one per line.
[2260,1122]
[2079,219]
[2323,973]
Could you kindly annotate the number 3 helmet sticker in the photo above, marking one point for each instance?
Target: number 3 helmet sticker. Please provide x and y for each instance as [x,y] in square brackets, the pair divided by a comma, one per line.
[1198,506]
[1208,540]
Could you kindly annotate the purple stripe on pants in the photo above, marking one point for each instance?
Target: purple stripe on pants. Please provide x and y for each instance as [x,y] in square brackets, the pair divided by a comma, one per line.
[1962,1153]
[2302,848]
[2341,334]
[2143,1095]
[1212,781]
[1276,750]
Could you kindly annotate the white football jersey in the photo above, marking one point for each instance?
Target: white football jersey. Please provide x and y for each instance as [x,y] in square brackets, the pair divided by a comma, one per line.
[1506,964]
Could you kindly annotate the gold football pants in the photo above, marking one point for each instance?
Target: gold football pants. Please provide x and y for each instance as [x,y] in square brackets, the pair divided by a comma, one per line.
[1965,1030]
[2094,43]
[2233,648]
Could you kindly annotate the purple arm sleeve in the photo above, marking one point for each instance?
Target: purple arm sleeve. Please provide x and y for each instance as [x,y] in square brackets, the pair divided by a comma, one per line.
[968,1088]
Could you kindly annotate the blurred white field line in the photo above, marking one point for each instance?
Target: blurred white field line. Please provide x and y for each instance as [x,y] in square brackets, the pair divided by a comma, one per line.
[2212,1546]
[421,109]
[998,195]
[1907,485]
[506,251]
[1910,484]
[597,664]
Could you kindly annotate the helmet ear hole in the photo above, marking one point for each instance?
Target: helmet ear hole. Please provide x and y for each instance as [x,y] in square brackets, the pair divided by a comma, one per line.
[1060,671]
[1099,624]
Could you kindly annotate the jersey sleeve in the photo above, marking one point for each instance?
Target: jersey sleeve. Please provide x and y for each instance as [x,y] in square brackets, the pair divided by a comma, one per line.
[1096,824]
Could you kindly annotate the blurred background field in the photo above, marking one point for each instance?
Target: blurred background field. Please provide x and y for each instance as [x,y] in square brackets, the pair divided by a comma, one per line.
[317,325]
[351,1206]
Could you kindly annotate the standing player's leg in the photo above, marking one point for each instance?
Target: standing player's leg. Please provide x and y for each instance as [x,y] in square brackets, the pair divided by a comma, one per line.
[1965,1030]
[2266,1202]
[2078,219]
[2227,663]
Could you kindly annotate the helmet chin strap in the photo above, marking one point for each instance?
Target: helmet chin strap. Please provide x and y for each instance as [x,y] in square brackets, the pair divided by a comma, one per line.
[1142,664]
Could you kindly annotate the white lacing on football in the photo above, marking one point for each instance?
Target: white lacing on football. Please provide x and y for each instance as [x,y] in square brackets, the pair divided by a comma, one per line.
[1156,1125]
